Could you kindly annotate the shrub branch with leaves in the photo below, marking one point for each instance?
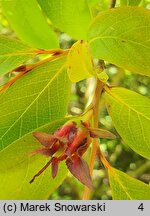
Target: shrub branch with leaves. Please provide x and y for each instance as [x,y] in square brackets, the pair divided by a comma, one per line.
[34,101]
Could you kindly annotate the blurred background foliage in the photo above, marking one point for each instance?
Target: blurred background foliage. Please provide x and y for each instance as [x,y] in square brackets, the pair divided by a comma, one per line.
[116,151]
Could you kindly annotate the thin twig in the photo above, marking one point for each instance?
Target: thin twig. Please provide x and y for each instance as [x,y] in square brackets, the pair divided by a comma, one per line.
[52,51]
[95,143]
[23,69]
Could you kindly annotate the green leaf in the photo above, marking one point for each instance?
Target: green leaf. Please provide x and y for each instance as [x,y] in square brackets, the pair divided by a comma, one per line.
[39,97]
[17,168]
[129,2]
[125,187]
[93,2]
[130,113]
[122,36]
[12,54]
[70,16]
[27,20]
[79,62]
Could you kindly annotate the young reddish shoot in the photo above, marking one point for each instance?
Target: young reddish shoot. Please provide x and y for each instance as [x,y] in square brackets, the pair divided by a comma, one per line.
[69,143]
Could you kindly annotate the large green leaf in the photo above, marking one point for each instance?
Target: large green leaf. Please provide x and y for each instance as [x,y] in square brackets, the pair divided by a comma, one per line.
[129,2]
[12,54]
[122,36]
[130,113]
[93,2]
[125,187]
[39,97]
[27,20]
[17,168]
[70,16]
